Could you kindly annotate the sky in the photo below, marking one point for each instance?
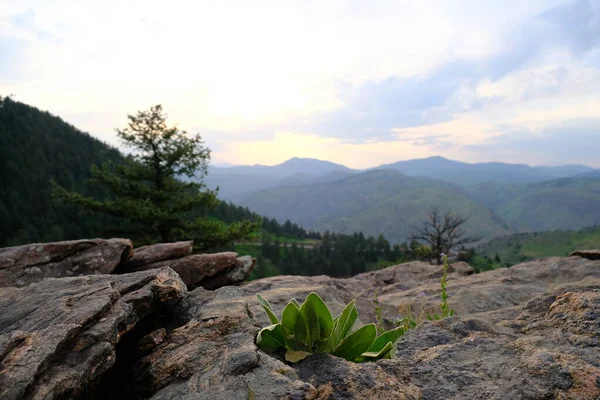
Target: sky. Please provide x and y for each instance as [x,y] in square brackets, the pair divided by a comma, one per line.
[359,83]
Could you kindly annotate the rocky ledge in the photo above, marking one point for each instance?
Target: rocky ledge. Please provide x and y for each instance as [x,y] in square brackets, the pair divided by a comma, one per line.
[527,332]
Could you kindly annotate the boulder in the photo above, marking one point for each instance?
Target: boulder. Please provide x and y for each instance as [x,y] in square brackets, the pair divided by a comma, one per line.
[157,252]
[589,254]
[59,336]
[218,269]
[23,265]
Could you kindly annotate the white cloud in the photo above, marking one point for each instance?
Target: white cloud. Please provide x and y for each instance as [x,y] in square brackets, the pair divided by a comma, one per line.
[266,67]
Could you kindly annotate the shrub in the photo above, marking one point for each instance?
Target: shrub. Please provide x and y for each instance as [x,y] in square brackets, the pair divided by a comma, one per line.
[310,329]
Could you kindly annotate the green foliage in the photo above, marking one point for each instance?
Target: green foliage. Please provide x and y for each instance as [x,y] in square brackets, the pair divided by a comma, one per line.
[147,190]
[562,204]
[523,247]
[411,321]
[374,202]
[311,329]
[446,310]
[36,147]
[335,255]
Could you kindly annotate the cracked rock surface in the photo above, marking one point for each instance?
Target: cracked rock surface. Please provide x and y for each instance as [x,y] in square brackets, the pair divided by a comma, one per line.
[23,265]
[58,336]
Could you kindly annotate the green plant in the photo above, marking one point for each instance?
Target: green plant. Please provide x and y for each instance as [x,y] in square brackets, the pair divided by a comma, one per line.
[378,317]
[446,310]
[310,329]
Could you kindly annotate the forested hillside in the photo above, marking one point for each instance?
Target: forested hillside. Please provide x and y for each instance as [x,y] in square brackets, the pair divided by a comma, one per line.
[513,249]
[379,201]
[568,203]
[36,147]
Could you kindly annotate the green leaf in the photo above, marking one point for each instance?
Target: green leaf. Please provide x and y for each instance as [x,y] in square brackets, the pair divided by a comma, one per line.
[271,338]
[376,355]
[391,336]
[301,333]
[289,318]
[310,321]
[295,356]
[323,314]
[295,302]
[268,309]
[356,343]
[319,321]
[344,323]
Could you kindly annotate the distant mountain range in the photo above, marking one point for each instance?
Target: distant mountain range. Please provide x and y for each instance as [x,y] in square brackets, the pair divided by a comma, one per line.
[238,182]
[318,195]
[391,198]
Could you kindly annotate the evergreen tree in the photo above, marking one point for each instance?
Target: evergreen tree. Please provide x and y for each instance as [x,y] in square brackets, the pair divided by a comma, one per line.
[148,192]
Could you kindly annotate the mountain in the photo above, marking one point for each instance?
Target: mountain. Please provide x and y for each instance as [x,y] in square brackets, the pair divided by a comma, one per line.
[513,249]
[235,183]
[308,166]
[568,203]
[467,174]
[36,147]
[378,201]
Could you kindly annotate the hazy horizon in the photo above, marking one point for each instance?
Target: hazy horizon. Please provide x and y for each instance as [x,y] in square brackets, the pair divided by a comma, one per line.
[229,165]
[344,81]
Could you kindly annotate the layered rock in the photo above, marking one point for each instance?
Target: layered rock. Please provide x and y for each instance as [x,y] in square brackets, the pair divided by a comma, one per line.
[22,265]
[207,270]
[414,288]
[213,356]
[157,252]
[527,332]
[549,351]
[59,336]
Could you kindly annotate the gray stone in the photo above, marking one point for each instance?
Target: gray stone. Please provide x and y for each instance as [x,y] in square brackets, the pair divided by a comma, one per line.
[23,265]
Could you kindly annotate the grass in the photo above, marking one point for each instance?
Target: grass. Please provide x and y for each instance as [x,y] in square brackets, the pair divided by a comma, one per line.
[523,247]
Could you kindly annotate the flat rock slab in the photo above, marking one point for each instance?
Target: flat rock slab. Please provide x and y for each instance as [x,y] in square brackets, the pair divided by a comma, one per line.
[415,288]
[58,336]
[207,270]
[157,252]
[214,357]
[549,351]
[23,265]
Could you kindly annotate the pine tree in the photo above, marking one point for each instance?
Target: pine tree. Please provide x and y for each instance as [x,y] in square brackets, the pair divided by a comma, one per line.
[148,192]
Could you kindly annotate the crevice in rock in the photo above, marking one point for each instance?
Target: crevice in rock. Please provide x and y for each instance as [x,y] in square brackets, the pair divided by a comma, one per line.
[120,382]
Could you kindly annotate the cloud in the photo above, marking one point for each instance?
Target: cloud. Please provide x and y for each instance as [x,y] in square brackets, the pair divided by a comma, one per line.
[570,142]
[12,66]
[350,81]
[577,24]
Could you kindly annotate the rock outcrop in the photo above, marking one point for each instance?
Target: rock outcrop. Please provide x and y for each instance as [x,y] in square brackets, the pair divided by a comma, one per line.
[60,335]
[22,265]
[157,252]
[527,332]
[208,270]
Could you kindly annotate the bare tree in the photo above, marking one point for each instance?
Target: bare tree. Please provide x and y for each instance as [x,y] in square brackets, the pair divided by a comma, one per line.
[442,233]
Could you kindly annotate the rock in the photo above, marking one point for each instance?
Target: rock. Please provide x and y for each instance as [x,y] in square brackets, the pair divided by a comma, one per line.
[239,273]
[589,254]
[213,356]
[415,288]
[23,265]
[58,336]
[550,350]
[212,270]
[336,378]
[157,252]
